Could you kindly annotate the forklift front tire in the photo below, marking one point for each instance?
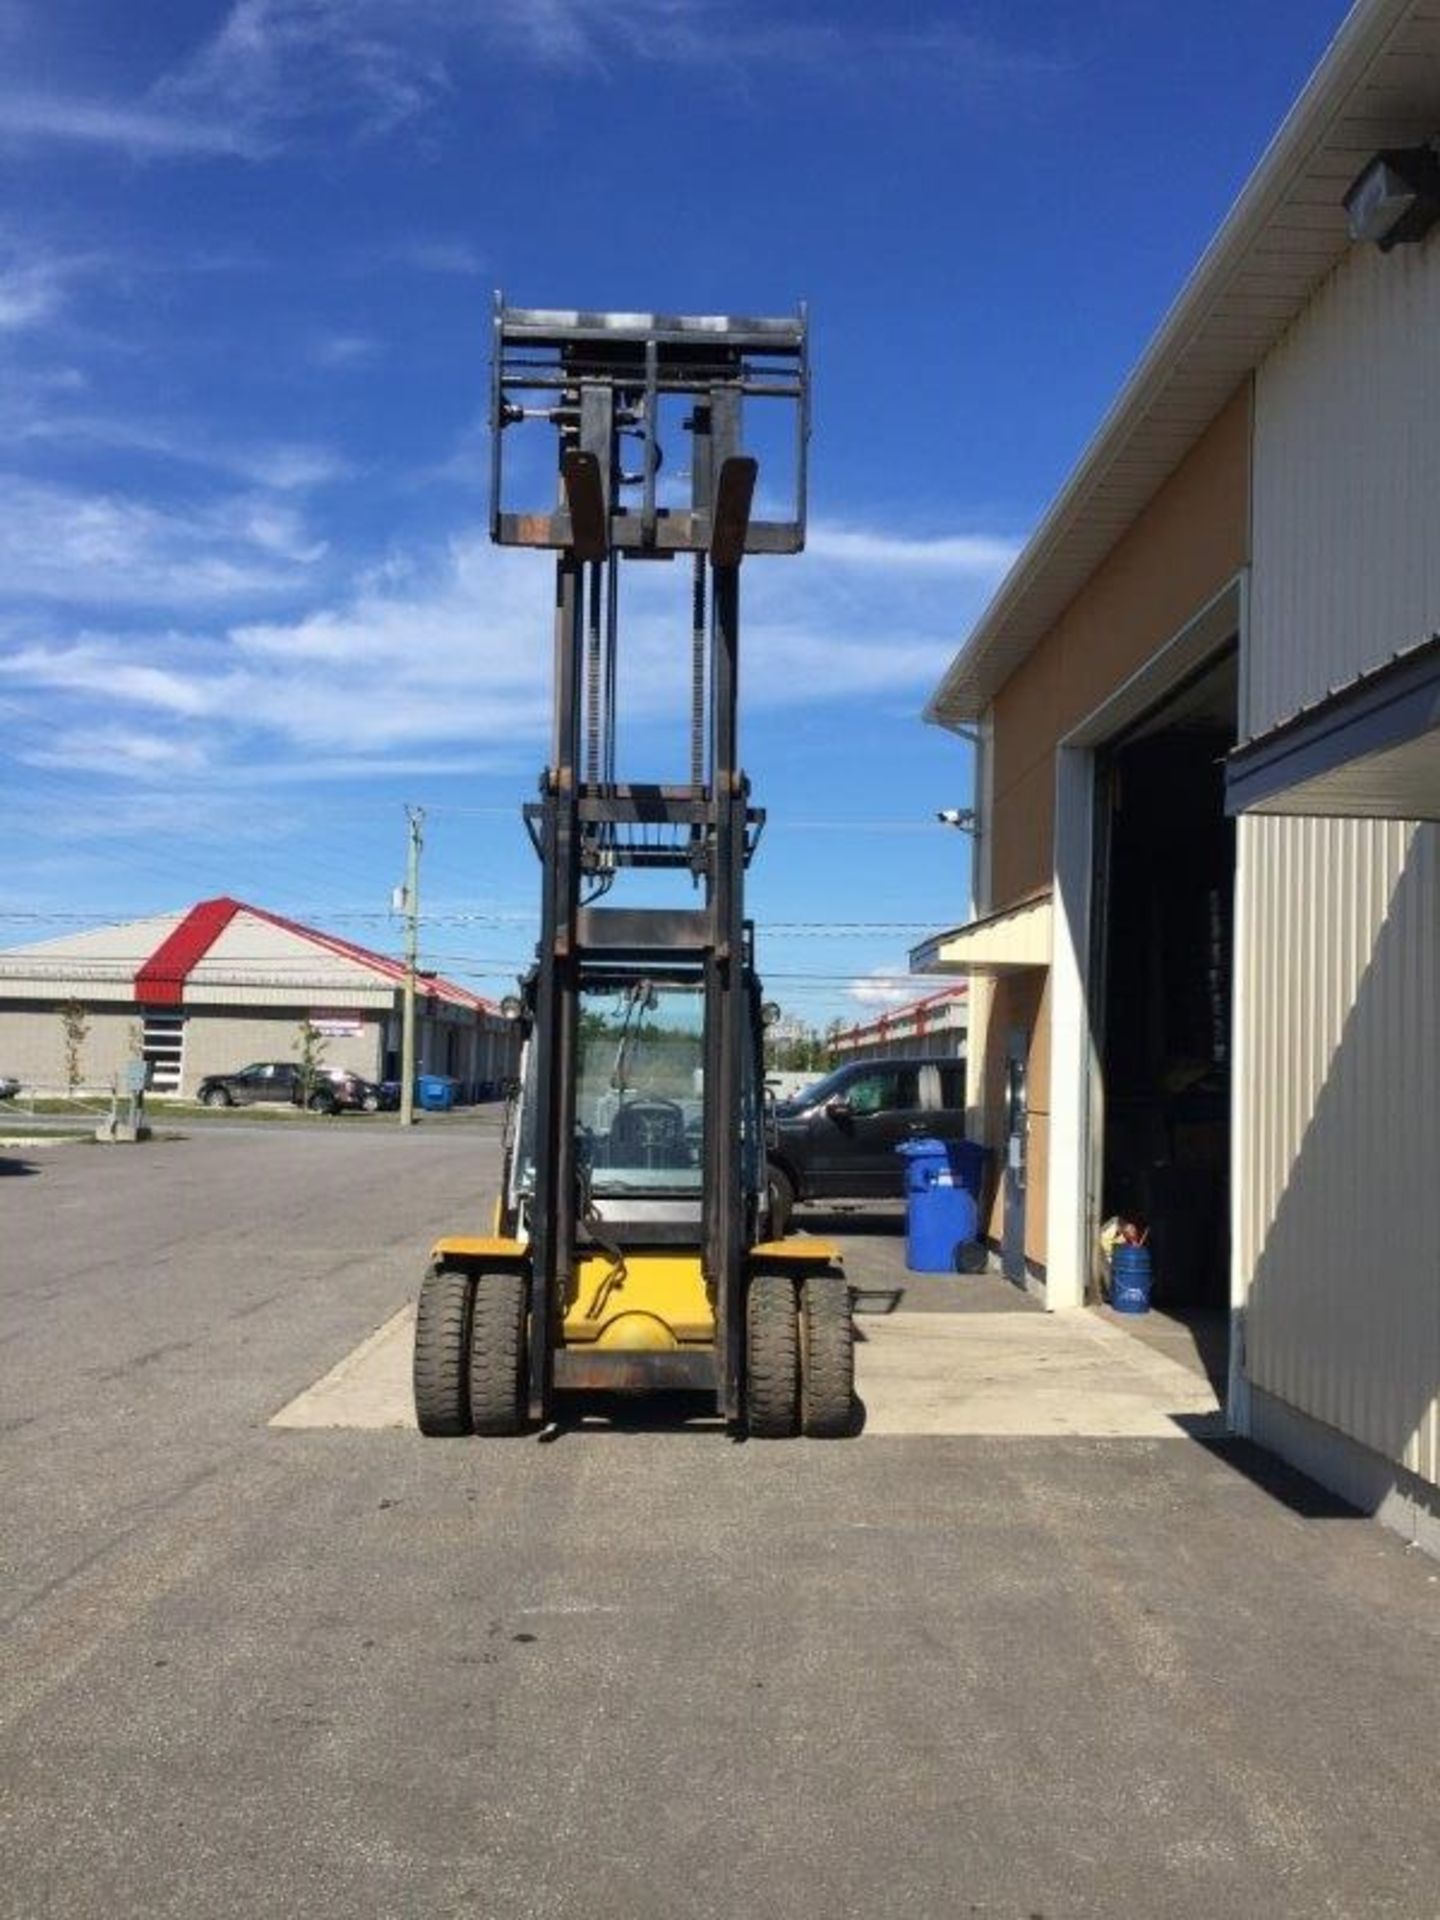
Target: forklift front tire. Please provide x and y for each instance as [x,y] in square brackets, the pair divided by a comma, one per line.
[497,1353]
[772,1357]
[827,1357]
[442,1352]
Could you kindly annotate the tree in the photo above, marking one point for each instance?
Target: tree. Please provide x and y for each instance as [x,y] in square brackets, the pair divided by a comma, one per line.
[75,1021]
[793,1047]
[310,1046]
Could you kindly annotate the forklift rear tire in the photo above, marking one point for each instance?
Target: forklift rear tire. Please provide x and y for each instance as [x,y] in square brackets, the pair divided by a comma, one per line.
[827,1357]
[442,1352]
[772,1357]
[497,1353]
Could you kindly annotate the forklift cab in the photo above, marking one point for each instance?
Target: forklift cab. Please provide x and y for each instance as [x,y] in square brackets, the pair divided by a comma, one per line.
[640,1112]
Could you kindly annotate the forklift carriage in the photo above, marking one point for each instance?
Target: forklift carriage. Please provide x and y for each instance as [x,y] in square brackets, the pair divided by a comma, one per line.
[632,1249]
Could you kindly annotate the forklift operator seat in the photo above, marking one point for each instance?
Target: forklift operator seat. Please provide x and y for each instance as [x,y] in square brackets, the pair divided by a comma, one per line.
[648,1133]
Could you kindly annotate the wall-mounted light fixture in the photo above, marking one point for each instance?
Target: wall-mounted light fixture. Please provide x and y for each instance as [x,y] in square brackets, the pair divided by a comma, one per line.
[1396,197]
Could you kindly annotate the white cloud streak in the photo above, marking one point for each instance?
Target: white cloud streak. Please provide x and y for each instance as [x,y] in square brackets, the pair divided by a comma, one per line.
[338,351]
[277,70]
[29,294]
[977,556]
[279,64]
[883,989]
[280,466]
[66,545]
[449,659]
[144,133]
[122,751]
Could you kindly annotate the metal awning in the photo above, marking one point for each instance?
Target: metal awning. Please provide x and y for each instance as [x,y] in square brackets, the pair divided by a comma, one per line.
[1370,750]
[1008,941]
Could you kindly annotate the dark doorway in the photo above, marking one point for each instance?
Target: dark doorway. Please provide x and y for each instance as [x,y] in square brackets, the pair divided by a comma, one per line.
[1166,890]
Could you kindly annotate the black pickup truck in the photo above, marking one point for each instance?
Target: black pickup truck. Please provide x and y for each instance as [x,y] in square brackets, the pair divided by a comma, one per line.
[837,1140]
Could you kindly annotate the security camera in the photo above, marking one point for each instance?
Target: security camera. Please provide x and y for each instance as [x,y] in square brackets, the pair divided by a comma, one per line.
[956,816]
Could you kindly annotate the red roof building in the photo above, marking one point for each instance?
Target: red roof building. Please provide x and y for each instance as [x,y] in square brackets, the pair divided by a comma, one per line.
[214,986]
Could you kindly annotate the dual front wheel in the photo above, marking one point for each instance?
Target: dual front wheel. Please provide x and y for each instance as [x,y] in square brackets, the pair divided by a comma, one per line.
[470,1353]
[800,1357]
[470,1360]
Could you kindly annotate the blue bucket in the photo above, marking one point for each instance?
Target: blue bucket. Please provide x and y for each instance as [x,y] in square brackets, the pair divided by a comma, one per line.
[1130,1279]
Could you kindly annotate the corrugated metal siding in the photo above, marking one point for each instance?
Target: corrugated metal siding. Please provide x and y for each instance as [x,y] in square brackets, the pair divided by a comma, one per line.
[1346,476]
[1340,1191]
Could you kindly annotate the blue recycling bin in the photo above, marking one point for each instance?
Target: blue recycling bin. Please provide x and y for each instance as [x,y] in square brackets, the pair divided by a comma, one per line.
[434,1092]
[942,1210]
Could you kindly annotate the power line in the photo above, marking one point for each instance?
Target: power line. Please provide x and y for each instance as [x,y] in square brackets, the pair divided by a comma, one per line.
[820,929]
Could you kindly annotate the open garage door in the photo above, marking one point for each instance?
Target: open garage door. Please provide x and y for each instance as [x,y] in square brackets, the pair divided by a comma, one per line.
[1164,932]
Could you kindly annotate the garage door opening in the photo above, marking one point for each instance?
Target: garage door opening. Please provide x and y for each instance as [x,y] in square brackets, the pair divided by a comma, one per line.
[1164,930]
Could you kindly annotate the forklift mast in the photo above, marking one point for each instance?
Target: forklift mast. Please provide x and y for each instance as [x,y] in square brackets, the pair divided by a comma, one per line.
[619,392]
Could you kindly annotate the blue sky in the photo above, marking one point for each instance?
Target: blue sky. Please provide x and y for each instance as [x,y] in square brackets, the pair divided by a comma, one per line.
[247,247]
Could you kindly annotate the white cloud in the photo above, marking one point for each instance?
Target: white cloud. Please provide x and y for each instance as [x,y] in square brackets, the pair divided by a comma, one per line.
[35,282]
[276,64]
[277,69]
[884,989]
[118,750]
[286,467]
[278,466]
[29,119]
[726,39]
[65,544]
[433,256]
[29,293]
[100,667]
[980,556]
[443,660]
[337,351]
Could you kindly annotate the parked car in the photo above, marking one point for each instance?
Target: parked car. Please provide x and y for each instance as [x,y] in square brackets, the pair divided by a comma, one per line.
[281,1082]
[8,1087]
[837,1140]
[354,1090]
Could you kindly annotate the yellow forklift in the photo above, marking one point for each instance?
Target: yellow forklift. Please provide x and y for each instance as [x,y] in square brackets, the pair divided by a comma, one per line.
[632,1249]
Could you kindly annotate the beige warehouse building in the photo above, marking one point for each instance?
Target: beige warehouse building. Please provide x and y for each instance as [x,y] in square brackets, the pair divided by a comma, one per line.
[214,986]
[1206,963]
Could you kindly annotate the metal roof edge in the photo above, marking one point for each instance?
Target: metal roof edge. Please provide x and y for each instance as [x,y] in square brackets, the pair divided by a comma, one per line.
[992,917]
[1360,37]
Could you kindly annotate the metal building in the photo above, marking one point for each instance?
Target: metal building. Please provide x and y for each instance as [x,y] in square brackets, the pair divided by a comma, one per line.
[933,1025]
[1206,965]
[211,987]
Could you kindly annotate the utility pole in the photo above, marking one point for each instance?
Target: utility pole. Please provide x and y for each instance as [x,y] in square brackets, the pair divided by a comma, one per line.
[415,818]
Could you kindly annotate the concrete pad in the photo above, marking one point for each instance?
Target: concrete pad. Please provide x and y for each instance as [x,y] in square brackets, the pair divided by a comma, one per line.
[1035,1376]
[369,1388]
[1040,1376]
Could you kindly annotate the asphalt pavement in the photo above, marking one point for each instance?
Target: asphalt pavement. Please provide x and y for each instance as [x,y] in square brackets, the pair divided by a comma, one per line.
[638,1671]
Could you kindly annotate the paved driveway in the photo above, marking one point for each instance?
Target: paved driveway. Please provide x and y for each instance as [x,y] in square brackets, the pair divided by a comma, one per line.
[641,1671]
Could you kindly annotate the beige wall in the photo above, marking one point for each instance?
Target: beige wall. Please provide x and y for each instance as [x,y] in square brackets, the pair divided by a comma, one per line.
[1191,540]
[32,1045]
